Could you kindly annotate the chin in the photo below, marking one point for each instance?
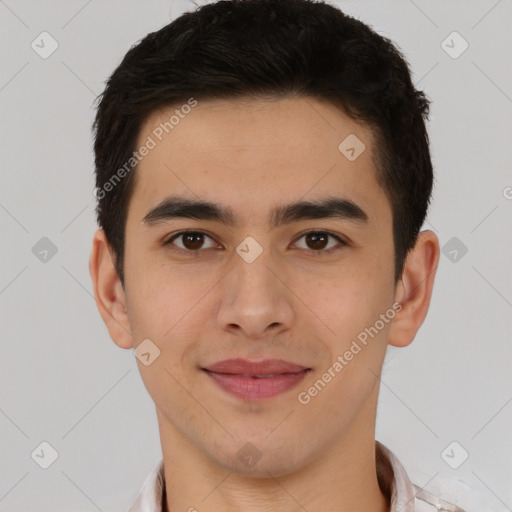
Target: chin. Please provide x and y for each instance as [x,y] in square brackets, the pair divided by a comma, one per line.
[261,459]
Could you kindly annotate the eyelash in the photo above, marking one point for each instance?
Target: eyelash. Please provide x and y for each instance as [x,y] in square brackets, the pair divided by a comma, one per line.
[318,252]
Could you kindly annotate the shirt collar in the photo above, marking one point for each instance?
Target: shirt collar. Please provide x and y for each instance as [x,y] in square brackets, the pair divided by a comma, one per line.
[150,496]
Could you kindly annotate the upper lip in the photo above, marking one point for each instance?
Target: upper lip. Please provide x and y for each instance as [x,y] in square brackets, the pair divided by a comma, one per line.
[245,367]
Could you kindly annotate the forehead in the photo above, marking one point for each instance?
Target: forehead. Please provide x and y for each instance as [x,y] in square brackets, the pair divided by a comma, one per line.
[252,153]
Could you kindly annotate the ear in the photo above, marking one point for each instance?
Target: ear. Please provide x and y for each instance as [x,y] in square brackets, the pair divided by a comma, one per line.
[108,291]
[414,289]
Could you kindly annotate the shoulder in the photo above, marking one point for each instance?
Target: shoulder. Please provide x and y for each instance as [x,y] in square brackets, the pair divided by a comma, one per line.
[150,496]
[427,502]
[453,495]
[444,495]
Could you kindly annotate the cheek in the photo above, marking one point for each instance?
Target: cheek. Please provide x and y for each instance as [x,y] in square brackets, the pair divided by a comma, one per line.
[356,352]
[343,303]
[166,303]
[156,292]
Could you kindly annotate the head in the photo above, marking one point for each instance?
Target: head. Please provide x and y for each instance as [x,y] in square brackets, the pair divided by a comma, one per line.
[234,49]
[244,107]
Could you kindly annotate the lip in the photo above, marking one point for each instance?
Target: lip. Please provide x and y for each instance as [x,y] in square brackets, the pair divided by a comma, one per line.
[245,367]
[252,381]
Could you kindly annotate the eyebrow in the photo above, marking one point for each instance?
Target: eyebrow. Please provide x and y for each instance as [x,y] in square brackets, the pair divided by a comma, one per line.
[330,207]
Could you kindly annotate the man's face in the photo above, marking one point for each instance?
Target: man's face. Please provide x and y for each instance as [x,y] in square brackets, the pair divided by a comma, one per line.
[304,299]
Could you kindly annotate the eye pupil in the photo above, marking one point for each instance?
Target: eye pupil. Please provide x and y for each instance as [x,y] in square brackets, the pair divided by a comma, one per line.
[317,240]
[193,240]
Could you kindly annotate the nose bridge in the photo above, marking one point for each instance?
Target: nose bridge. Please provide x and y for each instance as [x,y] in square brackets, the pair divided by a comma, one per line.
[253,297]
[252,280]
[252,261]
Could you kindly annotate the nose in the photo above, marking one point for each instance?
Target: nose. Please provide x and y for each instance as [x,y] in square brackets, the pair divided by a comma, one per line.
[255,301]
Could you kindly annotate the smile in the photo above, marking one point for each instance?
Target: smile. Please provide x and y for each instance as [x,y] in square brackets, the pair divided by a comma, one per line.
[256,387]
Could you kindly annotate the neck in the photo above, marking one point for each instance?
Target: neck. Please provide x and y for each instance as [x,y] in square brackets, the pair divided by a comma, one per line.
[343,478]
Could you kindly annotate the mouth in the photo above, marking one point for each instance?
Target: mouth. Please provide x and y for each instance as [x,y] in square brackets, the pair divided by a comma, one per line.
[253,381]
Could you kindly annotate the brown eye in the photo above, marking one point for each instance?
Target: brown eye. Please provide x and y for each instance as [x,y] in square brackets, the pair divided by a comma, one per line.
[191,241]
[319,240]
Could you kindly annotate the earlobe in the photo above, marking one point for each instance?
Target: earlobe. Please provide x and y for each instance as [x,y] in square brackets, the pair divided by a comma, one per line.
[108,291]
[414,290]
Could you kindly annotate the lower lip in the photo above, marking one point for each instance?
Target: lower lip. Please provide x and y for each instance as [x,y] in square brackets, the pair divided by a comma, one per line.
[250,388]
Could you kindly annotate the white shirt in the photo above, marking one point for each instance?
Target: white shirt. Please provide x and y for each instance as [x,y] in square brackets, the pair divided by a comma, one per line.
[406,497]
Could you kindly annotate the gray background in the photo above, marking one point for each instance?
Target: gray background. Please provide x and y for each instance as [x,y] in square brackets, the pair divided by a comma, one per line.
[64,381]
